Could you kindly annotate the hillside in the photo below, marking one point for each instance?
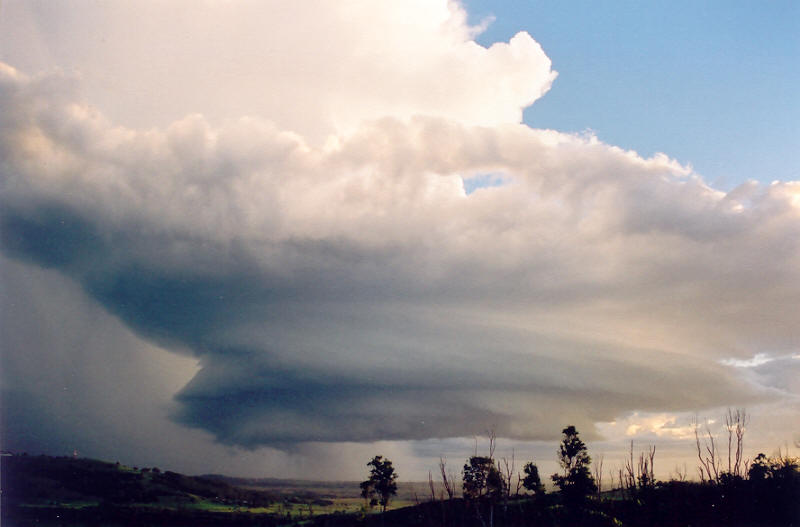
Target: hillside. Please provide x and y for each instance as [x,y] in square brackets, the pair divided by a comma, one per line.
[48,490]
[45,480]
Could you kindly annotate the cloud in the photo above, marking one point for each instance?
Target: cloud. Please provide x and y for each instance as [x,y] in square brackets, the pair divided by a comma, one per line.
[350,289]
[75,378]
[651,427]
[311,67]
[357,293]
[756,360]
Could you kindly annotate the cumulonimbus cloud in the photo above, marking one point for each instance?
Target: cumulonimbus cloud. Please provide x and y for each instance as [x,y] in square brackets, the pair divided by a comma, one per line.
[352,290]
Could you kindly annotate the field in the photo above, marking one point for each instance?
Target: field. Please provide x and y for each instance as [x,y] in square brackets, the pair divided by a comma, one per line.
[43,486]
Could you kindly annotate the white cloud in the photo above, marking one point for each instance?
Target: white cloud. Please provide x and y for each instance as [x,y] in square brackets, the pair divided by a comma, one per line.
[649,427]
[312,67]
[756,360]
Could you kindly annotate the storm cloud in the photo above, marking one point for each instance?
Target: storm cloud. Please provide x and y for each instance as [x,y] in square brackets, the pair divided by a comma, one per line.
[335,282]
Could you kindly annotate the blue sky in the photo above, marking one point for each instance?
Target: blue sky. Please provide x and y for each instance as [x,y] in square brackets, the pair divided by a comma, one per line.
[714,84]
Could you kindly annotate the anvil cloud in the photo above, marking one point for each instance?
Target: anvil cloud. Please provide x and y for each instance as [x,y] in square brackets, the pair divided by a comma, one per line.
[320,258]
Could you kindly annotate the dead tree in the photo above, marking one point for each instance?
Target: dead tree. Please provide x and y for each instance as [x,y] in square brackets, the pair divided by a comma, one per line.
[447,482]
[735,423]
[680,473]
[629,481]
[711,465]
[639,475]
[598,473]
[646,472]
[706,454]
[508,471]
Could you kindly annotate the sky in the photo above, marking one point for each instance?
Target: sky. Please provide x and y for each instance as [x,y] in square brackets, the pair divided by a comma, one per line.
[698,80]
[276,239]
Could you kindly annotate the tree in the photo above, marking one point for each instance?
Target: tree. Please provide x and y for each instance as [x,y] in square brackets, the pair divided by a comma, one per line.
[760,468]
[380,486]
[532,481]
[474,476]
[495,483]
[481,477]
[576,482]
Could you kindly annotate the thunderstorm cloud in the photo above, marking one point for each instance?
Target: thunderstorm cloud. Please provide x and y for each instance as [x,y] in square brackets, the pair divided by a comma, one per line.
[306,228]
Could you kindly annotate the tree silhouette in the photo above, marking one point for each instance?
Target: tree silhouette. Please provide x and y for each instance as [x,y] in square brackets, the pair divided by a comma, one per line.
[576,482]
[532,481]
[481,477]
[380,486]
[760,468]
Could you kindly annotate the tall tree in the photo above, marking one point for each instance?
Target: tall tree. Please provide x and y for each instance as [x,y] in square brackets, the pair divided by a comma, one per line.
[576,481]
[532,481]
[380,486]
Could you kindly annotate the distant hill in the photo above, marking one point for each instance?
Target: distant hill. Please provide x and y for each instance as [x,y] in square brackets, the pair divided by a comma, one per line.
[63,491]
[51,480]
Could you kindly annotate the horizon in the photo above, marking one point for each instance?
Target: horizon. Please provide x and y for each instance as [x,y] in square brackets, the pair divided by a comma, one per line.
[281,239]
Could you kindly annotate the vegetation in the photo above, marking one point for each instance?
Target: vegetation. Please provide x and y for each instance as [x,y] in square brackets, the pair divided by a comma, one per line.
[532,482]
[576,482]
[380,487]
[40,490]
[481,477]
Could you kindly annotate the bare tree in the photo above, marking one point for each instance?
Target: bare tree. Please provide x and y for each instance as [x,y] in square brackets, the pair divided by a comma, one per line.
[628,479]
[711,465]
[598,473]
[638,475]
[646,473]
[447,482]
[431,486]
[680,473]
[508,471]
[492,442]
[706,454]
[735,423]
